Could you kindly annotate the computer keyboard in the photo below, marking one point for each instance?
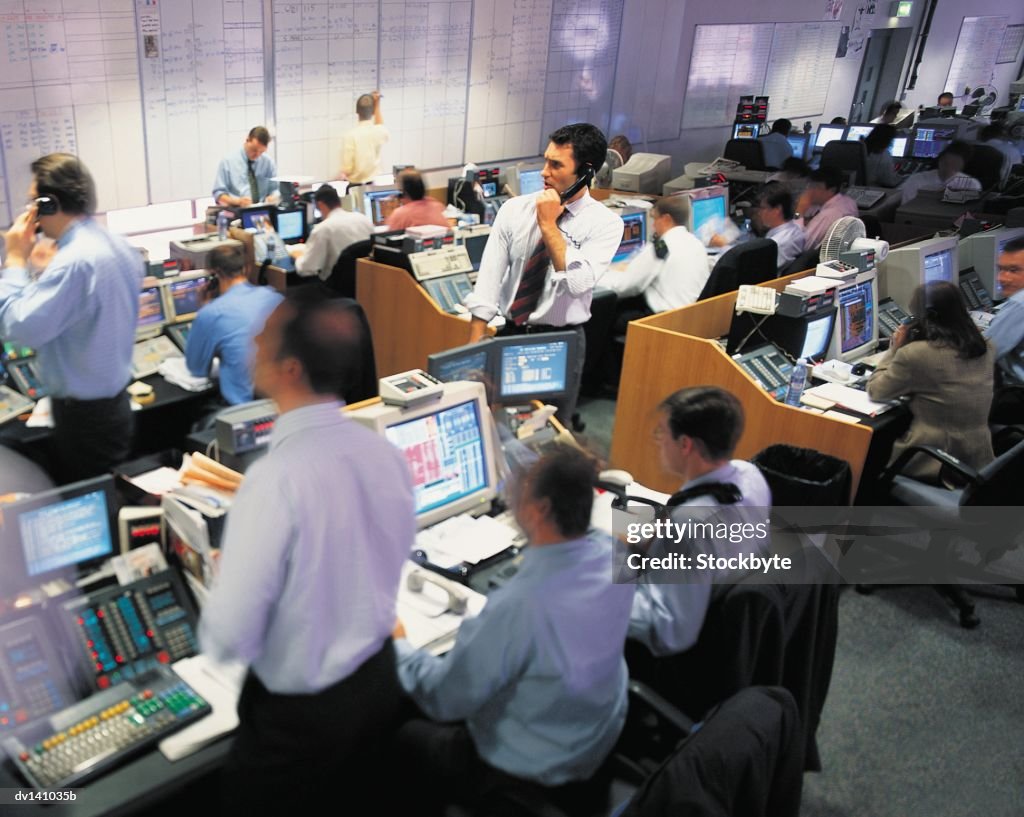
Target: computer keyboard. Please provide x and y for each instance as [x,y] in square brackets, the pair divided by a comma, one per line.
[865,196]
[99,733]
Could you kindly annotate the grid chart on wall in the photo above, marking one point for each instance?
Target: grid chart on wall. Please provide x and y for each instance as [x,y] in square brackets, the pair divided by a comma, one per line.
[974,58]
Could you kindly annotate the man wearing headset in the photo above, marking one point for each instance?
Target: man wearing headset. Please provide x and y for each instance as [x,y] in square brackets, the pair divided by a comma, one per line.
[79,315]
[546,250]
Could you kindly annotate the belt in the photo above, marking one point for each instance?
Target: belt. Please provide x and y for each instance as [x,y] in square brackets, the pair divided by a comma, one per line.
[535,328]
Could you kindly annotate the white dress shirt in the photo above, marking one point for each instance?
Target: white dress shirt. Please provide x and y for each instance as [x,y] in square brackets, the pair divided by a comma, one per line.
[666,283]
[789,237]
[312,553]
[929,180]
[592,233]
[776,149]
[881,172]
[339,230]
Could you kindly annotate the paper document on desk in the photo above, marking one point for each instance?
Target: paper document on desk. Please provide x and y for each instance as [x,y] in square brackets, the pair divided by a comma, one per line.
[175,371]
[426,614]
[220,684]
[42,414]
[464,538]
[849,398]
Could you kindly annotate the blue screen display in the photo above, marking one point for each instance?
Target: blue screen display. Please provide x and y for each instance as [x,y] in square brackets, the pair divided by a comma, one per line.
[65,533]
[706,209]
[534,368]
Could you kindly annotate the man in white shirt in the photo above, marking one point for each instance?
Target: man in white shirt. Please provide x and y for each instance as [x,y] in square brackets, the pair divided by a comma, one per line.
[948,174]
[338,230]
[361,146]
[775,145]
[668,272]
[773,213]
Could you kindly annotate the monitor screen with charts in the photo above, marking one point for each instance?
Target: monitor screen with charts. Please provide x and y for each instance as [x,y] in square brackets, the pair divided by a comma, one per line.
[186,296]
[930,141]
[534,367]
[855,133]
[856,331]
[151,313]
[379,204]
[746,130]
[634,235]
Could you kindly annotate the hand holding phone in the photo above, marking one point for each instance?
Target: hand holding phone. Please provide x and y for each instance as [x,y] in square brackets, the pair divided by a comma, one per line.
[21,237]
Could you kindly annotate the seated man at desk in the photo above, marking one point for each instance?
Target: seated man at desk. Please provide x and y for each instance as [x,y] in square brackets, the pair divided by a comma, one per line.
[775,145]
[534,692]
[418,209]
[226,327]
[948,175]
[773,213]
[1007,334]
[881,170]
[670,271]
[338,230]
[246,176]
[696,434]
[821,205]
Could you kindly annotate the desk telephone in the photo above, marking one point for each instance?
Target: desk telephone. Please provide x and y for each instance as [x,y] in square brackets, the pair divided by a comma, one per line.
[890,317]
[975,295]
[769,367]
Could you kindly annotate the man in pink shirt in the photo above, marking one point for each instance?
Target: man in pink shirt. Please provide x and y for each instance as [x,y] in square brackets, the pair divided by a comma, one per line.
[821,205]
[418,209]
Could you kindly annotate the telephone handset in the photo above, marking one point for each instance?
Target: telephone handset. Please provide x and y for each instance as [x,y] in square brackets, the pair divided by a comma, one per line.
[583,180]
[46,205]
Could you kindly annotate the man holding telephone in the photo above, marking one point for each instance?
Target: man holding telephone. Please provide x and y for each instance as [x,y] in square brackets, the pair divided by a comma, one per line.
[79,315]
[547,249]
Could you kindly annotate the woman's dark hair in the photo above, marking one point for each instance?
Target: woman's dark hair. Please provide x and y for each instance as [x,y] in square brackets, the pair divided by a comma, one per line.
[880,138]
[943,319]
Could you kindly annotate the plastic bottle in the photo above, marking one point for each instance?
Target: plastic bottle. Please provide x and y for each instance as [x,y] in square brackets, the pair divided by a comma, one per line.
[746,231]
[222,225]
[797,381]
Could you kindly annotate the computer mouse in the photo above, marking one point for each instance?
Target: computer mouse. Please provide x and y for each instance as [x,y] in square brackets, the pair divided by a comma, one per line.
[859,369]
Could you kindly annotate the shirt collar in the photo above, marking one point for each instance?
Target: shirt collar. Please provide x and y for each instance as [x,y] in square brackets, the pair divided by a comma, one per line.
[574,207]
[69,233]
[316,415]
[780,228]
[545,557]
[723,473]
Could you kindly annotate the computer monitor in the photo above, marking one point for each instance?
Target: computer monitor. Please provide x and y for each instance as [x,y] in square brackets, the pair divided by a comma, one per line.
[826,134]
[746,130]
[534,367]
[475,242]
[906,268]
[185,295]
[799,143]
[449,446]
[708,207]
[471,362]
[805,336]
[379,203]
[525,178]
[981,252]
[490,189]
[634,234]
[151,313]
[898,148]
[856,331]
[252,216]
[928,141]
[291,225]
[854,133]
[64,530]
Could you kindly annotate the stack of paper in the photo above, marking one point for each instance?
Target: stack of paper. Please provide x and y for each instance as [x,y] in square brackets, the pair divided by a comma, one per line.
[849,398]
[464,538]
[220,685]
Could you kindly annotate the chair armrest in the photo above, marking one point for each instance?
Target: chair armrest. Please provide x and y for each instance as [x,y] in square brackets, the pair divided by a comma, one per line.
[948,460]
[640,692]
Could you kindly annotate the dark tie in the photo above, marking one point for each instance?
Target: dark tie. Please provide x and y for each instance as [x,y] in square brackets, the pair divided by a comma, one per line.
[254,187]
[530,285]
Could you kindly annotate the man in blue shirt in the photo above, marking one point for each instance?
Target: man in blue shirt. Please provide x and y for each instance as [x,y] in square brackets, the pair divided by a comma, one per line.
[534,692]
[1007,333]
[245,176]
[226,327]
[79,315]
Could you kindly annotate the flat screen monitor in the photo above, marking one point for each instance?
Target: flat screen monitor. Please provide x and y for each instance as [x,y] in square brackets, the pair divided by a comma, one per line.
[709,206]
[826,134]
[252,216]
[449,447]
[186,296]
[856,330]
[530,181]
[930,140]
[746,130]
[67,529]
[799,142]
[898,148]
[291,225]
[818,336]
[981,252]
[378,203]
[534,367]
[151,313]
[634,235]
[854,133]
[471,362]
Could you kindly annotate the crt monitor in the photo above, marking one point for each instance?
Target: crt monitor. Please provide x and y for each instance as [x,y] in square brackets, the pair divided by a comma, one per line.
[709,207]
[898,148]
[828,133]
[291,225]
[379,203]
[449,446]
[856,331]
[534,367]
[525,179]
[799,143]
[252,216]
[474,243]
[151,313]
[746,130]
[928,141]
[854,133]
[471,362]
[906,268]
[807,336]
[981,251]
[66,530]
[185,295]
[634,235]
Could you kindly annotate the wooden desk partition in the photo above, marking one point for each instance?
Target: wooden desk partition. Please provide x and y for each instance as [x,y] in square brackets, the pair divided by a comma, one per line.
[675,349]
[406,323]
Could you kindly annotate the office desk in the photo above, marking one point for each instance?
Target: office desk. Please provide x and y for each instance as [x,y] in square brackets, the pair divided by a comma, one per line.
[929,212]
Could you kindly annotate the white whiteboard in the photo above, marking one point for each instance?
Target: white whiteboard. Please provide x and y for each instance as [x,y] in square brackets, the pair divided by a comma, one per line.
[974,59]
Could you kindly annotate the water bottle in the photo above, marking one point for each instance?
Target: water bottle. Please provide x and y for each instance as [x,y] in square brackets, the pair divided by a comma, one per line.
[222,225]
[271,244]
[797,381]
[746,231]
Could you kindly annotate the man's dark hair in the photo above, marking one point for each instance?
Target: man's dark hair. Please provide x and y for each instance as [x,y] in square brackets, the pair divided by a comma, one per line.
[957,148]
[783,126]
[880,138]
[943,96]
[566,478]
[325,194]
[710,416]
[891,108]
[589,146]
[412,185]
[775,194]
[364,106]
[227,260]
[676,208]
[831,177]
[838,120]
[1014,245]
[261,135]
[327,339]
[66,179]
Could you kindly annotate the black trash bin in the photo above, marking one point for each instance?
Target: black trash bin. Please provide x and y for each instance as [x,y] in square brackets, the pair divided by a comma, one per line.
[803,476]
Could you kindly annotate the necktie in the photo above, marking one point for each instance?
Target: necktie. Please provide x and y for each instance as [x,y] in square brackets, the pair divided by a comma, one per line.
[254,187]
[530,285]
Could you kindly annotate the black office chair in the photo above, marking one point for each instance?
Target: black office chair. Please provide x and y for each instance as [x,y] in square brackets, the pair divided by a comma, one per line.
[598,366]
[807,260]
[752,262]
[986,165]
[847,157]
[342,280]
[748,152]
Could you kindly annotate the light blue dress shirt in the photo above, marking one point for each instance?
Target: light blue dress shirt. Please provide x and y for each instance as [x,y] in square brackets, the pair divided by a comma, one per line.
[789,240]
[312,553]
[539,675]
[667,618]
[233,176]
[1007,334]
[80,314]
[226,328]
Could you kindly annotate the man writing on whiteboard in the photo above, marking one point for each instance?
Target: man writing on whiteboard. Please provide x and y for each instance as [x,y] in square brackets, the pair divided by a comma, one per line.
[547,249]
[361,146]
[246,176]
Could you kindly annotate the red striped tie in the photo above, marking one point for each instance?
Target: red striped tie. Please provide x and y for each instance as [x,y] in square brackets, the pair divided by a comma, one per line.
[530,285]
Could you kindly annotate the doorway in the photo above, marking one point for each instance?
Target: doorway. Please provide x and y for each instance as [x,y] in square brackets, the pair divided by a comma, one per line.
[884,58]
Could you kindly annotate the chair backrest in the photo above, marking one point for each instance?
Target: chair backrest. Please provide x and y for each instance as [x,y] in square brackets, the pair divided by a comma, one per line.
[343,275]
[986,165]
[1000,480]
[847,156]
[746,759]
[751,262]
[748,152]
[807,260]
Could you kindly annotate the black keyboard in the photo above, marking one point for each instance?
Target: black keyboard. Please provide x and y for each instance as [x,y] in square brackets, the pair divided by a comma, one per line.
[101,732]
